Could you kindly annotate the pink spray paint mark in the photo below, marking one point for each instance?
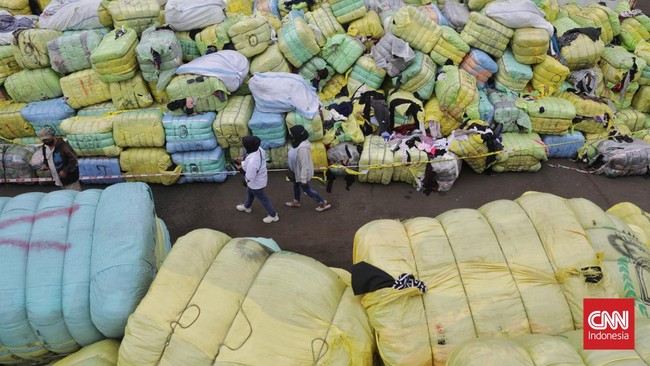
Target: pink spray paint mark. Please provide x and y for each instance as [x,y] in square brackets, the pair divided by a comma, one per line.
[35,245]
[59,211]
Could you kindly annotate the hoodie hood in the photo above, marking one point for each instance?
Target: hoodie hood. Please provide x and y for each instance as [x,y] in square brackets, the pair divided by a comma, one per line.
[251,143]
[298,134]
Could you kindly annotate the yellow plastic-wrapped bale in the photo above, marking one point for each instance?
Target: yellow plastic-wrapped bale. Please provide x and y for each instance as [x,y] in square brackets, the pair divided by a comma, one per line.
[509,268]
[138,15]
[635,26]
[346,11]
[206,93]
[215,35]
[621,99]
[84,88]
[366,72]
[16,7]
[153,162]
[102,353]
[524,153]
[550,115]
[410,164]
[297,41]
[33,85]
[225,287]
[251,35]
[8,64]
[405,109]
[633,119]
[344,131]
[486,34]
[414,27]
[91,135]
[376,161]
[324,20]
[579,51]
[141,128]
[449,47]
[472,148]
[548,76]
[635,217]
[439,122]
[240,7]
[593,115]
[319,156]
[529,45]
[115,59]
[333,87]
[368,26]
[643,51]
[158,96]
[271,60]
[232,122]
[641,101]
[314,127]
[131,94]
[596,16]
[457,93]
[30,47]
[12,123]
[104,14]
[550,7]
[620,66]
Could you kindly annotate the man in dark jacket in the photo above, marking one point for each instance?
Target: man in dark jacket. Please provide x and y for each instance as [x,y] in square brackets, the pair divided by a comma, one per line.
[61,160]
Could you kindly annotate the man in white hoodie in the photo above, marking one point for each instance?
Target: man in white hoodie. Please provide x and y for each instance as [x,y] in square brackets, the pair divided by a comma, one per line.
[301,168]
[256,176]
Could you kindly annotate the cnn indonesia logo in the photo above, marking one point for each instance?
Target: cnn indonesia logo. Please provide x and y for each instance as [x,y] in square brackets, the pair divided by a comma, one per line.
[608,324]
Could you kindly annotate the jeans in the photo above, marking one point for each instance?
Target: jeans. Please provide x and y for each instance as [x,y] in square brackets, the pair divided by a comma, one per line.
[309,191]
[261,195]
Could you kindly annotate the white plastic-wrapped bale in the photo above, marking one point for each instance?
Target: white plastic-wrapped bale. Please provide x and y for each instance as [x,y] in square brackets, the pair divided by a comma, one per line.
[241,284]
[75,266]
[511,267]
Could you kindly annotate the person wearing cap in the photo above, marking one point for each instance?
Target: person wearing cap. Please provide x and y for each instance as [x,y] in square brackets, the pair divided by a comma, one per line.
[61,160]
[256,177]
[301,168]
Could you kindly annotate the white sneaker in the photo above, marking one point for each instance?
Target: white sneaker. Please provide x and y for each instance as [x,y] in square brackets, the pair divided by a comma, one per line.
[242,208]
[269,219]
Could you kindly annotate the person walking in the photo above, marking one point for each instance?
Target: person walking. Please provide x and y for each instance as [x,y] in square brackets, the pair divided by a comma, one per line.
[301,168]
[256,177]
[61,160]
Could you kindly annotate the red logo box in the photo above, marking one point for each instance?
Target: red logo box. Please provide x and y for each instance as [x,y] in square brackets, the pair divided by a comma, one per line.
[608,324]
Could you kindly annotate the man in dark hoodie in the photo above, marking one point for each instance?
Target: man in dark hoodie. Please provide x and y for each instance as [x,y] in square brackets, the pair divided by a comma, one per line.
[301,168]
[61,160]
[256,176]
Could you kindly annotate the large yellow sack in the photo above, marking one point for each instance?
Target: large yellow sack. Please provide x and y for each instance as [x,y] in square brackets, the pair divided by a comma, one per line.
[115,58]
[376,161]
[91,135]
[153,162]
[16,7]
[318,154]
[597,16]
[550,115]
[486,34]
[140,128]
[439,122]
[102,353]
[8,64]
[457,93]
[524,153]
[548,76]
[251,35]
[227,302]
[368,26]
[529,45]
[30,47]
[131,94]
[469,146]
[232,122]
[366,72]
[271,60]
[12,123]
[84,88]
[449,47]
[509,268]
[333,87]
[635,217]
[138,15]
[416,28]
[324,20]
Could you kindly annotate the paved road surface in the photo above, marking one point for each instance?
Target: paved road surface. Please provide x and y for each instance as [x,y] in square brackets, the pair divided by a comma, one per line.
[328,236]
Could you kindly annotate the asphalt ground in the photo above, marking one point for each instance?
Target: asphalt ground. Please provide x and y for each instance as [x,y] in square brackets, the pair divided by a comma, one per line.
[328,236]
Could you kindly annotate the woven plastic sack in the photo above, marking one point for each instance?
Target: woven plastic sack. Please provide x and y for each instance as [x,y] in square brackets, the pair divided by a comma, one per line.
[159,55]
[208,93]
[64,15]
[8,64]
[269,127]
[512,75]
[207,166]
[486,34]
[94,170]
[314,126]
[84,88]
[153,163]
[260,270]
[229,66]
[71,52]
[548,76]
[457,93]
[449,47]
[90,270]
[297,42]
[12,124]
[91,136]
[525,153]
[251,35]
[33,85]
[189,133]
[47,114]
[102,353]
[232,122]
[30,47]
[271,60]
[376,161]
[141,128]
[550,115]
[564,146]
[416,28]
[277,92]
[529,45]
[137,15]
[480,65]
[185,16]
[115,57]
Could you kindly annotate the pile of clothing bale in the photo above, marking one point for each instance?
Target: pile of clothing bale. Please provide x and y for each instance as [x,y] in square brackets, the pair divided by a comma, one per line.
[163,90]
